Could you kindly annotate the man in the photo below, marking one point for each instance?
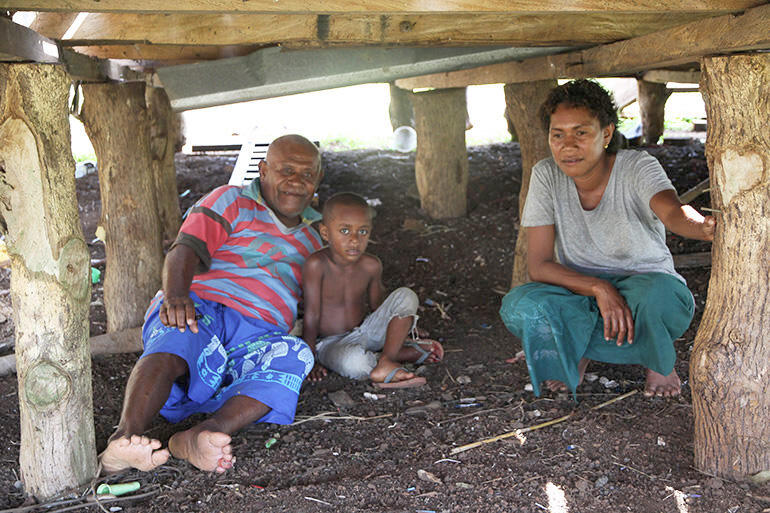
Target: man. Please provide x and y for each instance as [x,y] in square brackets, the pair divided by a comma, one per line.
[216,337]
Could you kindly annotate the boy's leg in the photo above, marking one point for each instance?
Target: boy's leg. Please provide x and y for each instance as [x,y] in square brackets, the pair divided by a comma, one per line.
[147,389]
[347,355]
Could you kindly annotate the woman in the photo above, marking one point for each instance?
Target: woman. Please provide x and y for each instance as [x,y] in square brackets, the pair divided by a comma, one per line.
[604,285]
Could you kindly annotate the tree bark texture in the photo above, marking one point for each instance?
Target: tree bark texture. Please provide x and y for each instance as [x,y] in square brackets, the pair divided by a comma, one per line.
[730,362]
[441,164]
[522,103]
[163,140]
[652,99]
[50,279]
[400,108]
[117,120]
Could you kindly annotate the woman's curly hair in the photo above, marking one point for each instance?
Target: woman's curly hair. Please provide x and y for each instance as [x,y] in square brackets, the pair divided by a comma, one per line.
[588,94]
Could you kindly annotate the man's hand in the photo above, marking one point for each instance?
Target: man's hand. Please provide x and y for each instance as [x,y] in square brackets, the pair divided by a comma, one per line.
[318,373]
[618,321]
[179,312]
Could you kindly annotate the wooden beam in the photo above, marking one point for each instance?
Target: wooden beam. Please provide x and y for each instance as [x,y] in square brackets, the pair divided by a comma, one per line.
[667,48]
[665,76]
[310,30]
[379,6]
[168,54]
[19,44]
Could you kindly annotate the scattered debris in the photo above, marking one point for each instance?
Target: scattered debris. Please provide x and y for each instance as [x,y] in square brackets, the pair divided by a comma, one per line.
[427,476]
[117,489]
[661,442]
[464,380]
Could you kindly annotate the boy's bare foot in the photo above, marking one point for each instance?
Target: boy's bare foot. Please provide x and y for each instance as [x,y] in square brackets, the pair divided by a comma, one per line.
[385,366]
[208,450]
[558,386]
[139,452]
[662,386]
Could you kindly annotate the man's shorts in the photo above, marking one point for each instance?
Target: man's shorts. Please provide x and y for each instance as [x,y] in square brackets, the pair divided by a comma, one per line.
[231,355]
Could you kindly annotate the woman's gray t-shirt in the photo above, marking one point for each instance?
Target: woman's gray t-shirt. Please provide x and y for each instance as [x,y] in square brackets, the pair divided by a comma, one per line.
[622,235]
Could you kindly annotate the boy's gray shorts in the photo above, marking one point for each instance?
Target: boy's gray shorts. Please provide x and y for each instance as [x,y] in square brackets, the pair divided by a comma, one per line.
[351,354]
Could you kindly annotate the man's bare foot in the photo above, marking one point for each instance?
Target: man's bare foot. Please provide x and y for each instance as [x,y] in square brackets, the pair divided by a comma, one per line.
[662,386]
[558,386]
[139,452]
[385,366]
[208,450]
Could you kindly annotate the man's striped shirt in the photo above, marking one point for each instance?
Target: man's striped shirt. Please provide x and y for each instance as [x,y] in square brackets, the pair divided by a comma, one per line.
[250,261]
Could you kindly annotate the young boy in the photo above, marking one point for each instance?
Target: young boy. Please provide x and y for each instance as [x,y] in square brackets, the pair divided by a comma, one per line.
[341,284]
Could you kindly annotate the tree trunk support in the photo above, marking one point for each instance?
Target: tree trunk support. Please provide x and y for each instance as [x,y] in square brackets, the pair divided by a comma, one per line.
[441,165]
[163,140]
[117,120]
[50,279]
[522,103]
[400,109]
[730,362]
[652,104]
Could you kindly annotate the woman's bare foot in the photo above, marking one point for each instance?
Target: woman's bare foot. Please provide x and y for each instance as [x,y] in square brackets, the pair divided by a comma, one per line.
[383,369]
[558,386]
[662,386]
[139,452]
[208,450]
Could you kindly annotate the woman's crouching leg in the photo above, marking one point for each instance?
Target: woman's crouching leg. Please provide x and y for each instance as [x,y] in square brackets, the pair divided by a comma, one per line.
[555,327]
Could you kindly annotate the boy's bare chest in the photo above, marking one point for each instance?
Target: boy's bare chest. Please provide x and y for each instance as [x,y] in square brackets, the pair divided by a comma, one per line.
[345,288]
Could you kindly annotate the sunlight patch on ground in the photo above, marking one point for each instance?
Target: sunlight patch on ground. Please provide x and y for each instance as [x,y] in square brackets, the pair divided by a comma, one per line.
[680,498]
[557,502]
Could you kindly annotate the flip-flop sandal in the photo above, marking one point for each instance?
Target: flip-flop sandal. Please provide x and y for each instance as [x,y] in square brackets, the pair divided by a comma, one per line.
[425,354]
[416,381]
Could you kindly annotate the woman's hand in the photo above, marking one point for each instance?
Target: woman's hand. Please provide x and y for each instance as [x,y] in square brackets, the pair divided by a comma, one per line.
[618,322]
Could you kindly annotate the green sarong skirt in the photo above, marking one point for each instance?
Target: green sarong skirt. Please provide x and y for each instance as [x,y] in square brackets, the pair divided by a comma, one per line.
[558,327]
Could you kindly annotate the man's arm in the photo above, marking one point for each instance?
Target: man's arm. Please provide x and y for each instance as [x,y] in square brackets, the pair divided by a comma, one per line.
[682,219]
[178,310]
[312,275]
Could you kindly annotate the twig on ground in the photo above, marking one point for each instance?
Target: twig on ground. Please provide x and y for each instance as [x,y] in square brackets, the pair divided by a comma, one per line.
[519,432]
[318,501]
[629,467]
[450,375]
[327,416]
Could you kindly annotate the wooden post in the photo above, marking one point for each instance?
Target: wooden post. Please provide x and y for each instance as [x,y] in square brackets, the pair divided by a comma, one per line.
[163,140]
[116,119]
[522,103]
[441,165]
[730,362]
[50,279]
[652,105]
[400,108]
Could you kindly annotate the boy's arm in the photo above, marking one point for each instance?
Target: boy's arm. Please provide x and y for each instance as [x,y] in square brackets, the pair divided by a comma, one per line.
[312,275]
[376,289]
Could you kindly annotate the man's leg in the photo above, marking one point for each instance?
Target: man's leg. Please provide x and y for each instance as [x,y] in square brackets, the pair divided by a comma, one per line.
[207,445]
[147,389]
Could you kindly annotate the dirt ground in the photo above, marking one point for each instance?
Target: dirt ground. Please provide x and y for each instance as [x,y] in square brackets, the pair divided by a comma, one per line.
[355,454]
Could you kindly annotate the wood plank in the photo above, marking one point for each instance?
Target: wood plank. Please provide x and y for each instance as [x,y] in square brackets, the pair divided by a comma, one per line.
[665,76]
[380,6]
[310,30]
[169,54]
[692,260]
[668,48]
[18,43]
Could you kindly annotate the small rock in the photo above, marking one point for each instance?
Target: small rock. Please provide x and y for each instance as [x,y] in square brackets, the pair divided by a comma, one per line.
[602,481]
[447,396]
[288,437]
[427,476]
[534,414]
[582,486]
[464,380]
[423,409]
[603,380]
[341,399]
[590,377]
[661,442]
[463,486]
[475,367]
[611,383]
[528,387]
[427,433]
[714,483]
